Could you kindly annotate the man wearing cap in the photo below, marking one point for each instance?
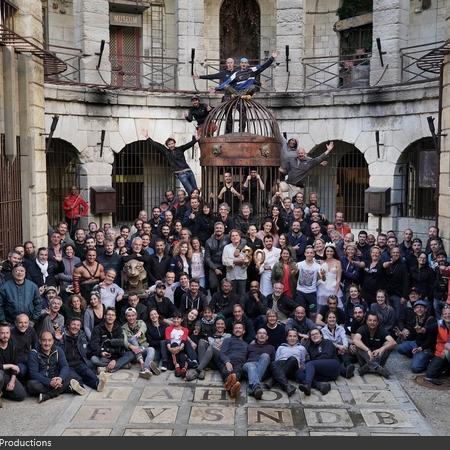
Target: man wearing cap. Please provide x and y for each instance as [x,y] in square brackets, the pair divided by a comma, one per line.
[176,159]
[166,309]
[418,330]
[198,112]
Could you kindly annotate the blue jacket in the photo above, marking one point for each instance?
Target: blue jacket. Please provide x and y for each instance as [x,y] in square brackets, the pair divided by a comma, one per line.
[245,78]
[43,368]
[16,299]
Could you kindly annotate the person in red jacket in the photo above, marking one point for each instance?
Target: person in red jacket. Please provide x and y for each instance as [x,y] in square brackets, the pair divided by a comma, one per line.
[441,357]
[74,207]
[176,337]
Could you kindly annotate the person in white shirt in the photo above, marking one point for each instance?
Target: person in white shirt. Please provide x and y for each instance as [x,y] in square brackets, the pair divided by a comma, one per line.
[271,257]
[308,276]
[110,292]
[234,261]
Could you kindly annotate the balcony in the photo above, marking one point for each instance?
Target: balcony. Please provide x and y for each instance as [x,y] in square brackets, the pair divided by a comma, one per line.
[423,62]
[336,72]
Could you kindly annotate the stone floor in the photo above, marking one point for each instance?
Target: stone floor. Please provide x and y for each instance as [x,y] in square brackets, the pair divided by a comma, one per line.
[166,405]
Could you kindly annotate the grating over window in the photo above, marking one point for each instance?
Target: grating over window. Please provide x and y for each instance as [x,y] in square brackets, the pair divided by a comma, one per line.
[62,161]
[10,201]
[141,177]
[7,13]
[341,183]
[418,170]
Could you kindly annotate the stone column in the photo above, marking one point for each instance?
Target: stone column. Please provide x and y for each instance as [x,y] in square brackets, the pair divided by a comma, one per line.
[91,26]
[390,24]
[444,179]
[190,17]
[290,31]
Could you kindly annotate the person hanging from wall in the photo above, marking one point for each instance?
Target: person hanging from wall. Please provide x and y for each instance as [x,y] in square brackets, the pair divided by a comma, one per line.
[75,207]
[199,112]
[298,168]
[176,159]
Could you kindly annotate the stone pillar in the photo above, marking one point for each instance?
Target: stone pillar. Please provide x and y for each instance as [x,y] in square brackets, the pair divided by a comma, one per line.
[31,125]
[190,17]
[290,31]
[390,24]
[444,179]
[91,26]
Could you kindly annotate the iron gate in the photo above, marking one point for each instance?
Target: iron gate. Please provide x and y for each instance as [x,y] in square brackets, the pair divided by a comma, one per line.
[341,183]
[10,201]
[141,177]
[62,160]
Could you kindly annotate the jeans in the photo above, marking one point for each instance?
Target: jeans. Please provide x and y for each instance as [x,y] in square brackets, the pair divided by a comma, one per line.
[17,394]
[35,388]
[374,363]
[161,352]
[255,370]
[187,179]
[125,359]
[438,304]
[437,365]
[85,375]
[307,300]
[283,369]
[397,305]
[319,370]
[420,360]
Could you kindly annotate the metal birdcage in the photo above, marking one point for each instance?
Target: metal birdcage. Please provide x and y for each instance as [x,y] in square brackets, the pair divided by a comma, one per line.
[237,135]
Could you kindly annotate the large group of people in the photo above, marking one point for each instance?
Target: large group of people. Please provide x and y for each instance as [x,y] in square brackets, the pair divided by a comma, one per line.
[292,299]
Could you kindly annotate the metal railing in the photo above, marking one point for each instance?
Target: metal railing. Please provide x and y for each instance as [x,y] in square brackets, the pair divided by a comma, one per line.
[144,72]
[336,72]
[422,62]
[72,58]
[211,66]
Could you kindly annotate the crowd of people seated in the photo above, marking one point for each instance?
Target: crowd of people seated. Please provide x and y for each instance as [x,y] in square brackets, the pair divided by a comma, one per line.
[292,299]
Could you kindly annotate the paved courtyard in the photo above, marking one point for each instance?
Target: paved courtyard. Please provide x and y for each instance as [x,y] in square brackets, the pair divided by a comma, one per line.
[166,406]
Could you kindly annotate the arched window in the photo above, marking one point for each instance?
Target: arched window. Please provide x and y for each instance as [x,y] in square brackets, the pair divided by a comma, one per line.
[418,170]
[62,160]
[240,29]
[141,177]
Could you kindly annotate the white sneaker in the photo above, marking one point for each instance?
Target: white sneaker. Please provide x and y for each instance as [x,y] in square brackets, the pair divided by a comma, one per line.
[76,387]
[102,378]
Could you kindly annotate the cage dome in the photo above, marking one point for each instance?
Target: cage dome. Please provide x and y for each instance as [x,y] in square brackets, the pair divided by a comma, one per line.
[240,132]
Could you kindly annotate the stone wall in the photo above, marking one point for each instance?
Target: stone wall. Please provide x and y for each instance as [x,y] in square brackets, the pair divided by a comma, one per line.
[444,181]
[62,23]
[351,116]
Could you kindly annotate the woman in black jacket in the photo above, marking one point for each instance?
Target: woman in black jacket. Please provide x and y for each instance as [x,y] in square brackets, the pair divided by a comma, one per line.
[205,223]
[323,364]
[155,334]
[423,277]
[373,277]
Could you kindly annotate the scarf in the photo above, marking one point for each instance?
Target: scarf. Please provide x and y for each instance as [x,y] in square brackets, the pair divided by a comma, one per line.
[44,269]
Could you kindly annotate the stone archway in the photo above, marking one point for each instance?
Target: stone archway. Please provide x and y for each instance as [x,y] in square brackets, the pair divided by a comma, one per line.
[341,183]
[240,30]
[62,173]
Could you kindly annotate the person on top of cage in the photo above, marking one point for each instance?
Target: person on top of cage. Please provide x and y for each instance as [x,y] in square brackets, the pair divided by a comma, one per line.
[243,81]
[176,159]
[298,168]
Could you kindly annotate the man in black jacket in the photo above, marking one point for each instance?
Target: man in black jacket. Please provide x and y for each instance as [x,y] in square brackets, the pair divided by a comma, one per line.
[109,259]
[42,270]
[213,255]
[25,339]
[300,323]
[106,347]
[194,298]
[158,264]
[198,112]
[75,346]
[166,309]
[255,305]
[223,301]
[10,386]
[397,281]
[177,161]
[280,303]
